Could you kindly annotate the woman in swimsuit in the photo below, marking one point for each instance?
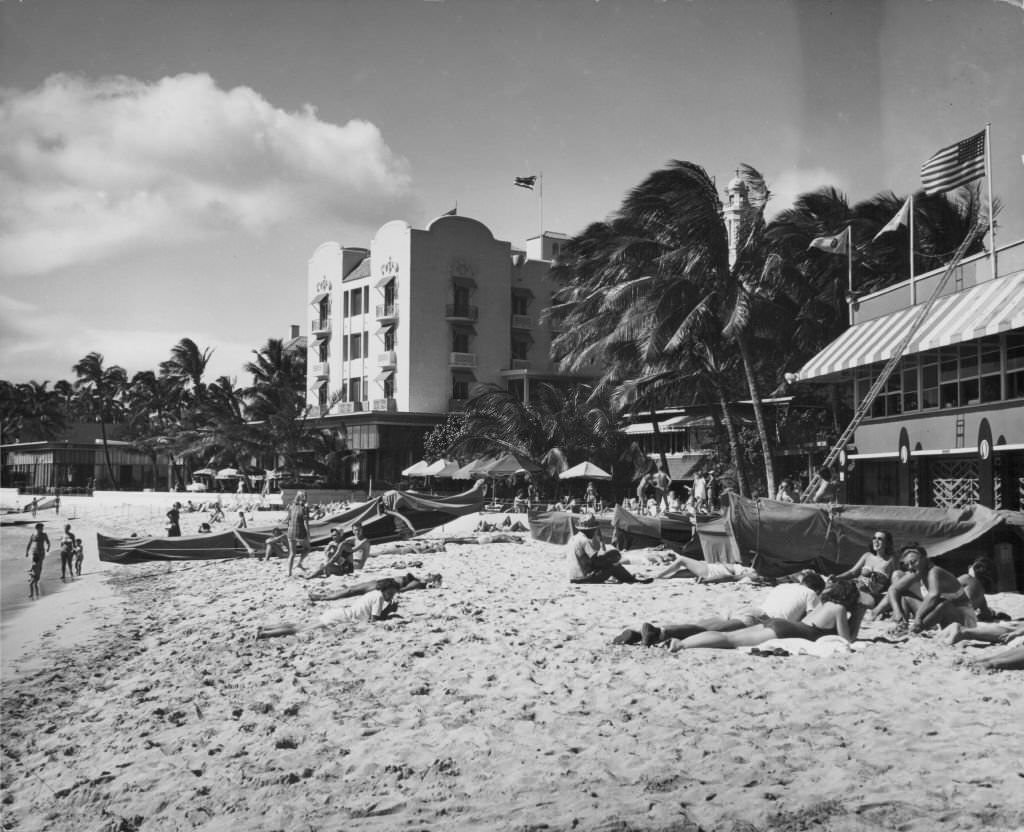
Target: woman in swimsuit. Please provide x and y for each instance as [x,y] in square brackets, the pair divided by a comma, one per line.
[839,615]
[873,571]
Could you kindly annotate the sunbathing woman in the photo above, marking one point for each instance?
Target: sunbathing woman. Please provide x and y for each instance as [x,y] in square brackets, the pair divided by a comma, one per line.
[839,615]
[873,571]
[374,606]
[404,583]
[942,599]
[704,572]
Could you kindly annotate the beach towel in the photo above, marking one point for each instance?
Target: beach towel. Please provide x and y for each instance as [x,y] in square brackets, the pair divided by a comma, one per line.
[823,647]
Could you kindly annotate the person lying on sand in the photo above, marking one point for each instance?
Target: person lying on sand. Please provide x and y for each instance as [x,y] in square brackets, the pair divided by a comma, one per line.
[873,570]
[404,583]
[590,562]
[1000,633]
[928,595]
[840,614]
[706,573]
[374,606]
[791,601]
[1010,659]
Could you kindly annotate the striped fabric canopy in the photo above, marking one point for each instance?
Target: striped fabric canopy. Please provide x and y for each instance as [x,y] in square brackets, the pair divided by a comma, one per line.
[987,309]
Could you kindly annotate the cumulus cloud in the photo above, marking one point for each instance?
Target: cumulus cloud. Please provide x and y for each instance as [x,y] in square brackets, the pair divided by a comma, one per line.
[92,168]
[787,185]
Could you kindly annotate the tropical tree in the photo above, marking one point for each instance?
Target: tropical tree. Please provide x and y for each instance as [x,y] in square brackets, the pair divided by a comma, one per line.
[186,367]
[277,399]
[100,389]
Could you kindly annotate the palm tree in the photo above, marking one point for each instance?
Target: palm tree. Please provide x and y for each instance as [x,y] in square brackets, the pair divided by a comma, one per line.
[649,284]
[100,388]
[186,366]
[277,398]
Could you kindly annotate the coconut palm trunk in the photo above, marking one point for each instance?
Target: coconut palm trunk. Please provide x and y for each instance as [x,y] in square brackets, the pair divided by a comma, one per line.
[734,442]
[755,398]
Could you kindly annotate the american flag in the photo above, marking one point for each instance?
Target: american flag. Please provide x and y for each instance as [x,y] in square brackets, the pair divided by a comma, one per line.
[955,165]
[525,182]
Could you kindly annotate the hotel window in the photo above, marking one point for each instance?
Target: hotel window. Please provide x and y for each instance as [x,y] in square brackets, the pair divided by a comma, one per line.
[949,393]
[356,345]
[969,381]
[389,293]
[520,349]
[520,303]
[366,299]
[389,387]
[366,387]
[344,349]
[460,387]
[323,353]
[991,370]
[1014,365]
[322,396]
[389,339]
[929,381]
[357,302]
[344,310]
[909,373]
[461,341]
[460,298]
[355,389]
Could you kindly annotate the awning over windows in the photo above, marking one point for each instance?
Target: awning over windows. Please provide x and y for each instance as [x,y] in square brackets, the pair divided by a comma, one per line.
[384,281]
[317,385]
[987,309]
[682,468]
[315,300]
[638,429]
[319,340]
[386,329]
[465,282]
[384,376]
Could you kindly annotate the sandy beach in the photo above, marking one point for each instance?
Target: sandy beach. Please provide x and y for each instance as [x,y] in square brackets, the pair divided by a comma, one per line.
[139,699]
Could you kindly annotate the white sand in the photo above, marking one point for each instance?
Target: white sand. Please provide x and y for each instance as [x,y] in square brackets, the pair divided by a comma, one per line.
[496,702]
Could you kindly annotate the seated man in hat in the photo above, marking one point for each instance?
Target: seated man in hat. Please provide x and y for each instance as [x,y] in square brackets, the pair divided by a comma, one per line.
[590,562]
[927,595]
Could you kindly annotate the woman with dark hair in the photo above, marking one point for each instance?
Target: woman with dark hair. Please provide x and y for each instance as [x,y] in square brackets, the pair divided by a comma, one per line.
[873,571]
[839,615]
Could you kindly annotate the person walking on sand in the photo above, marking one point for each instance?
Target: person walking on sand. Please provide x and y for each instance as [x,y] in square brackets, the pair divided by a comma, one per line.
[67,554]
[590,562]
[79,556]
[374,606]
[173,524]
[297,522]
[662,482]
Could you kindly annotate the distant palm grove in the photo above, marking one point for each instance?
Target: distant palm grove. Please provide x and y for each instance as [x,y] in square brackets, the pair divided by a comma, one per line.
[656,301]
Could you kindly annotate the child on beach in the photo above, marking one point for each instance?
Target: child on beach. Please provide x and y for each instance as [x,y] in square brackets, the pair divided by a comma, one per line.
[79,556]
[38,545]
[374,606]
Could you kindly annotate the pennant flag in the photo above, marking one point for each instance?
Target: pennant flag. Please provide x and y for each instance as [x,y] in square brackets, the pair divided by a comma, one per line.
[955,165]
[525,182]
[453,213]
[902,218]
[836,244]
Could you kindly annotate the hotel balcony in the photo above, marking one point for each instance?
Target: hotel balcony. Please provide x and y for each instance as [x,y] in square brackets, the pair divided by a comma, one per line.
[461,312]
[385,405]
[522,322]
[388,358]
[457,405]
[348,407]
[387,311]
[322,369]
[520,363]
[320,326]
[462,359]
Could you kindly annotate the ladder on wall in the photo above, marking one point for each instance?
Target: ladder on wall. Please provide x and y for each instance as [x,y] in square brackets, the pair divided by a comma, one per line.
[879,384]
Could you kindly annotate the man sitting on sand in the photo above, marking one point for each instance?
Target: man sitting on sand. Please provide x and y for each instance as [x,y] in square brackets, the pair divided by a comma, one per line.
[277,544]
[338,555]
[590,562]
[374,606]
[789,601]
[403,583]
[927,594]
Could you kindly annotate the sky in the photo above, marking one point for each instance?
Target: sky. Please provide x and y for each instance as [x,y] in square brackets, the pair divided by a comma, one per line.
[168,167]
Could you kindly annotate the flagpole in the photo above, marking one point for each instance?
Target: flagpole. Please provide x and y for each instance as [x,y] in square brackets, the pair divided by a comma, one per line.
[540,200]
[910,222]
[849,269]
[991,218]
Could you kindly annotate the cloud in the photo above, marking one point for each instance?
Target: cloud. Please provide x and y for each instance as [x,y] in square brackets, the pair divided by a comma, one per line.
[787,185]
[30,351]
[94,168]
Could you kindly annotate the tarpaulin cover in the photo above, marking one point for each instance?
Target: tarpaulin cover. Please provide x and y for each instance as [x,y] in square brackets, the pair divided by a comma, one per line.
[391,515]
[636,532]
[788,537]
[556,526]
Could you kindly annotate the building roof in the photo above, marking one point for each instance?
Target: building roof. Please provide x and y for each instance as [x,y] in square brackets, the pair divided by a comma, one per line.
[986,309]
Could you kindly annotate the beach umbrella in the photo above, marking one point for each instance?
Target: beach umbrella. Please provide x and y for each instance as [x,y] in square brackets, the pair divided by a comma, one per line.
[471,470]
[585,471]
[417,470]
[227,473]
[442,468]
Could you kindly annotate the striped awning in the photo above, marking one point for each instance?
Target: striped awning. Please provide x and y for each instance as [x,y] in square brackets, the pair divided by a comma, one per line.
[987,309]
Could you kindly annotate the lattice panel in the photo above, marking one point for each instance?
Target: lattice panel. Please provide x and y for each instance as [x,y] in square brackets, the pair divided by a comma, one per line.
[954,483]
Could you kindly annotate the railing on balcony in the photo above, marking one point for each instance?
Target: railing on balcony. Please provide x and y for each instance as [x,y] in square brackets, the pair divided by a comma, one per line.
[462,359]
[457,405]
[463,311]
[320,325]
[387,311]
[321,369]
[522,322]
[520,363]
[388,358]
[349,407]
[386,405]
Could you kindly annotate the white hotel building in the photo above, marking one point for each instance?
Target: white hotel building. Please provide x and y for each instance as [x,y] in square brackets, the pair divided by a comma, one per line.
[402,330]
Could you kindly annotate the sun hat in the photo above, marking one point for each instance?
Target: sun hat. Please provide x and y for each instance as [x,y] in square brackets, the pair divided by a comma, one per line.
[587,524]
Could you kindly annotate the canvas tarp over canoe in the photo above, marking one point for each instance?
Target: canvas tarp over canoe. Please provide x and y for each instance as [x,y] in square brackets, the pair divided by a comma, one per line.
[788,537]
[638,532]
[395,514]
